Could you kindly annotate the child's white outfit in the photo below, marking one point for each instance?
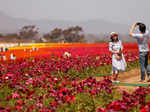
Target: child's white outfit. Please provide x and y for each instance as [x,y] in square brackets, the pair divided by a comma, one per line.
[117,64]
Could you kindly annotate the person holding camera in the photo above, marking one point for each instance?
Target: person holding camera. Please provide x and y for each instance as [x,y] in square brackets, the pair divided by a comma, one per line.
[118,60]
[142,39]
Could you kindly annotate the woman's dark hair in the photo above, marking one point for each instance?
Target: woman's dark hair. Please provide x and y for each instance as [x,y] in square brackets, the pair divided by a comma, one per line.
[111,38]
[142,27]
[138,23]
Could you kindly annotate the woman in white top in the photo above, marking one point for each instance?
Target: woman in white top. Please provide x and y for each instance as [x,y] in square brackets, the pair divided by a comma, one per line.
[118,60]
[143,43]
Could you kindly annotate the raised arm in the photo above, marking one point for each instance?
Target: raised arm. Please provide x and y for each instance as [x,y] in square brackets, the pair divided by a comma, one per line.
[132,29]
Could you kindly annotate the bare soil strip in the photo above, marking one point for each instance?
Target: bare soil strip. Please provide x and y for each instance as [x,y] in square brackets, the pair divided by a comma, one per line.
[131,77]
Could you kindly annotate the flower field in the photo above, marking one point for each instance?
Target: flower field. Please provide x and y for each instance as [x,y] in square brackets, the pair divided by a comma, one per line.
[43,80]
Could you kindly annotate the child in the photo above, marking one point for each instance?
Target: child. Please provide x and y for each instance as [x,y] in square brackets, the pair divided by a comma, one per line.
[118,60]
[66,54]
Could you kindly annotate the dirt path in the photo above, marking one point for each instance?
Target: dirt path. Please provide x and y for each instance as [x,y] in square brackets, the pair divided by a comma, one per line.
[131,77]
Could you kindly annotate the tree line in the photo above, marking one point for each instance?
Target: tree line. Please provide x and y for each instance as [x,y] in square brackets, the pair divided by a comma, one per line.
[31,33]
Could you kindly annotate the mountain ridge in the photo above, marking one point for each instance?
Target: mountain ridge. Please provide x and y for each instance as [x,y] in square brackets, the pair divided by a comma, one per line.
[97,26]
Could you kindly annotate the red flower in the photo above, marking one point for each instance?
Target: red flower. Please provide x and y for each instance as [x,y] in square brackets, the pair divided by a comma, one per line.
[99,109]
[54,103]
[20,102]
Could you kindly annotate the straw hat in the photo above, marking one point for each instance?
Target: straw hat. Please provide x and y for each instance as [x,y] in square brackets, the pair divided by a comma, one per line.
[113,34]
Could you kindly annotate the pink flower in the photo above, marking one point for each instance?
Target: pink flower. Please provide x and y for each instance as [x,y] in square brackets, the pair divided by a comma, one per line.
[93,92]
[15,95]
[39,105]
[19,108]
[29,81]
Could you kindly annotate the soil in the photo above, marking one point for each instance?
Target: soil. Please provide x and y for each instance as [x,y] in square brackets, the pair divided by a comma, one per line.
[131,77]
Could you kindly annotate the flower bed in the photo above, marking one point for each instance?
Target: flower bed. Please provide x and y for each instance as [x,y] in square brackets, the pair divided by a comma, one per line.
[58,84]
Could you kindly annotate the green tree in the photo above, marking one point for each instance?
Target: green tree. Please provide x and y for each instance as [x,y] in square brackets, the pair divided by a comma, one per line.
[28,32]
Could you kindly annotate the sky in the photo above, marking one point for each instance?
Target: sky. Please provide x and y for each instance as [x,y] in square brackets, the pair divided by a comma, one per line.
[120,11]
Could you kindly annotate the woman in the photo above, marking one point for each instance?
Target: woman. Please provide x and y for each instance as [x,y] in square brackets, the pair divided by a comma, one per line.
[142,39]
[118,60]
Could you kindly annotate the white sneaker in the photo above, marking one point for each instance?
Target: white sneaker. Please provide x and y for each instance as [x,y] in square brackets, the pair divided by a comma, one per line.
[116,81]
[113,80]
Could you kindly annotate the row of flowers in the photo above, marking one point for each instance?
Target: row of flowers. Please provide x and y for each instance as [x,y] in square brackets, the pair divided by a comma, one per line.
[62,95]
[51,84]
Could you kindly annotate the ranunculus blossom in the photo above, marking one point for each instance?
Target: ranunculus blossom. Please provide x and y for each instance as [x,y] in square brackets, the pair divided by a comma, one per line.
[20,102]
[19,108]
[39,105]
[99,109]
[15,95]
